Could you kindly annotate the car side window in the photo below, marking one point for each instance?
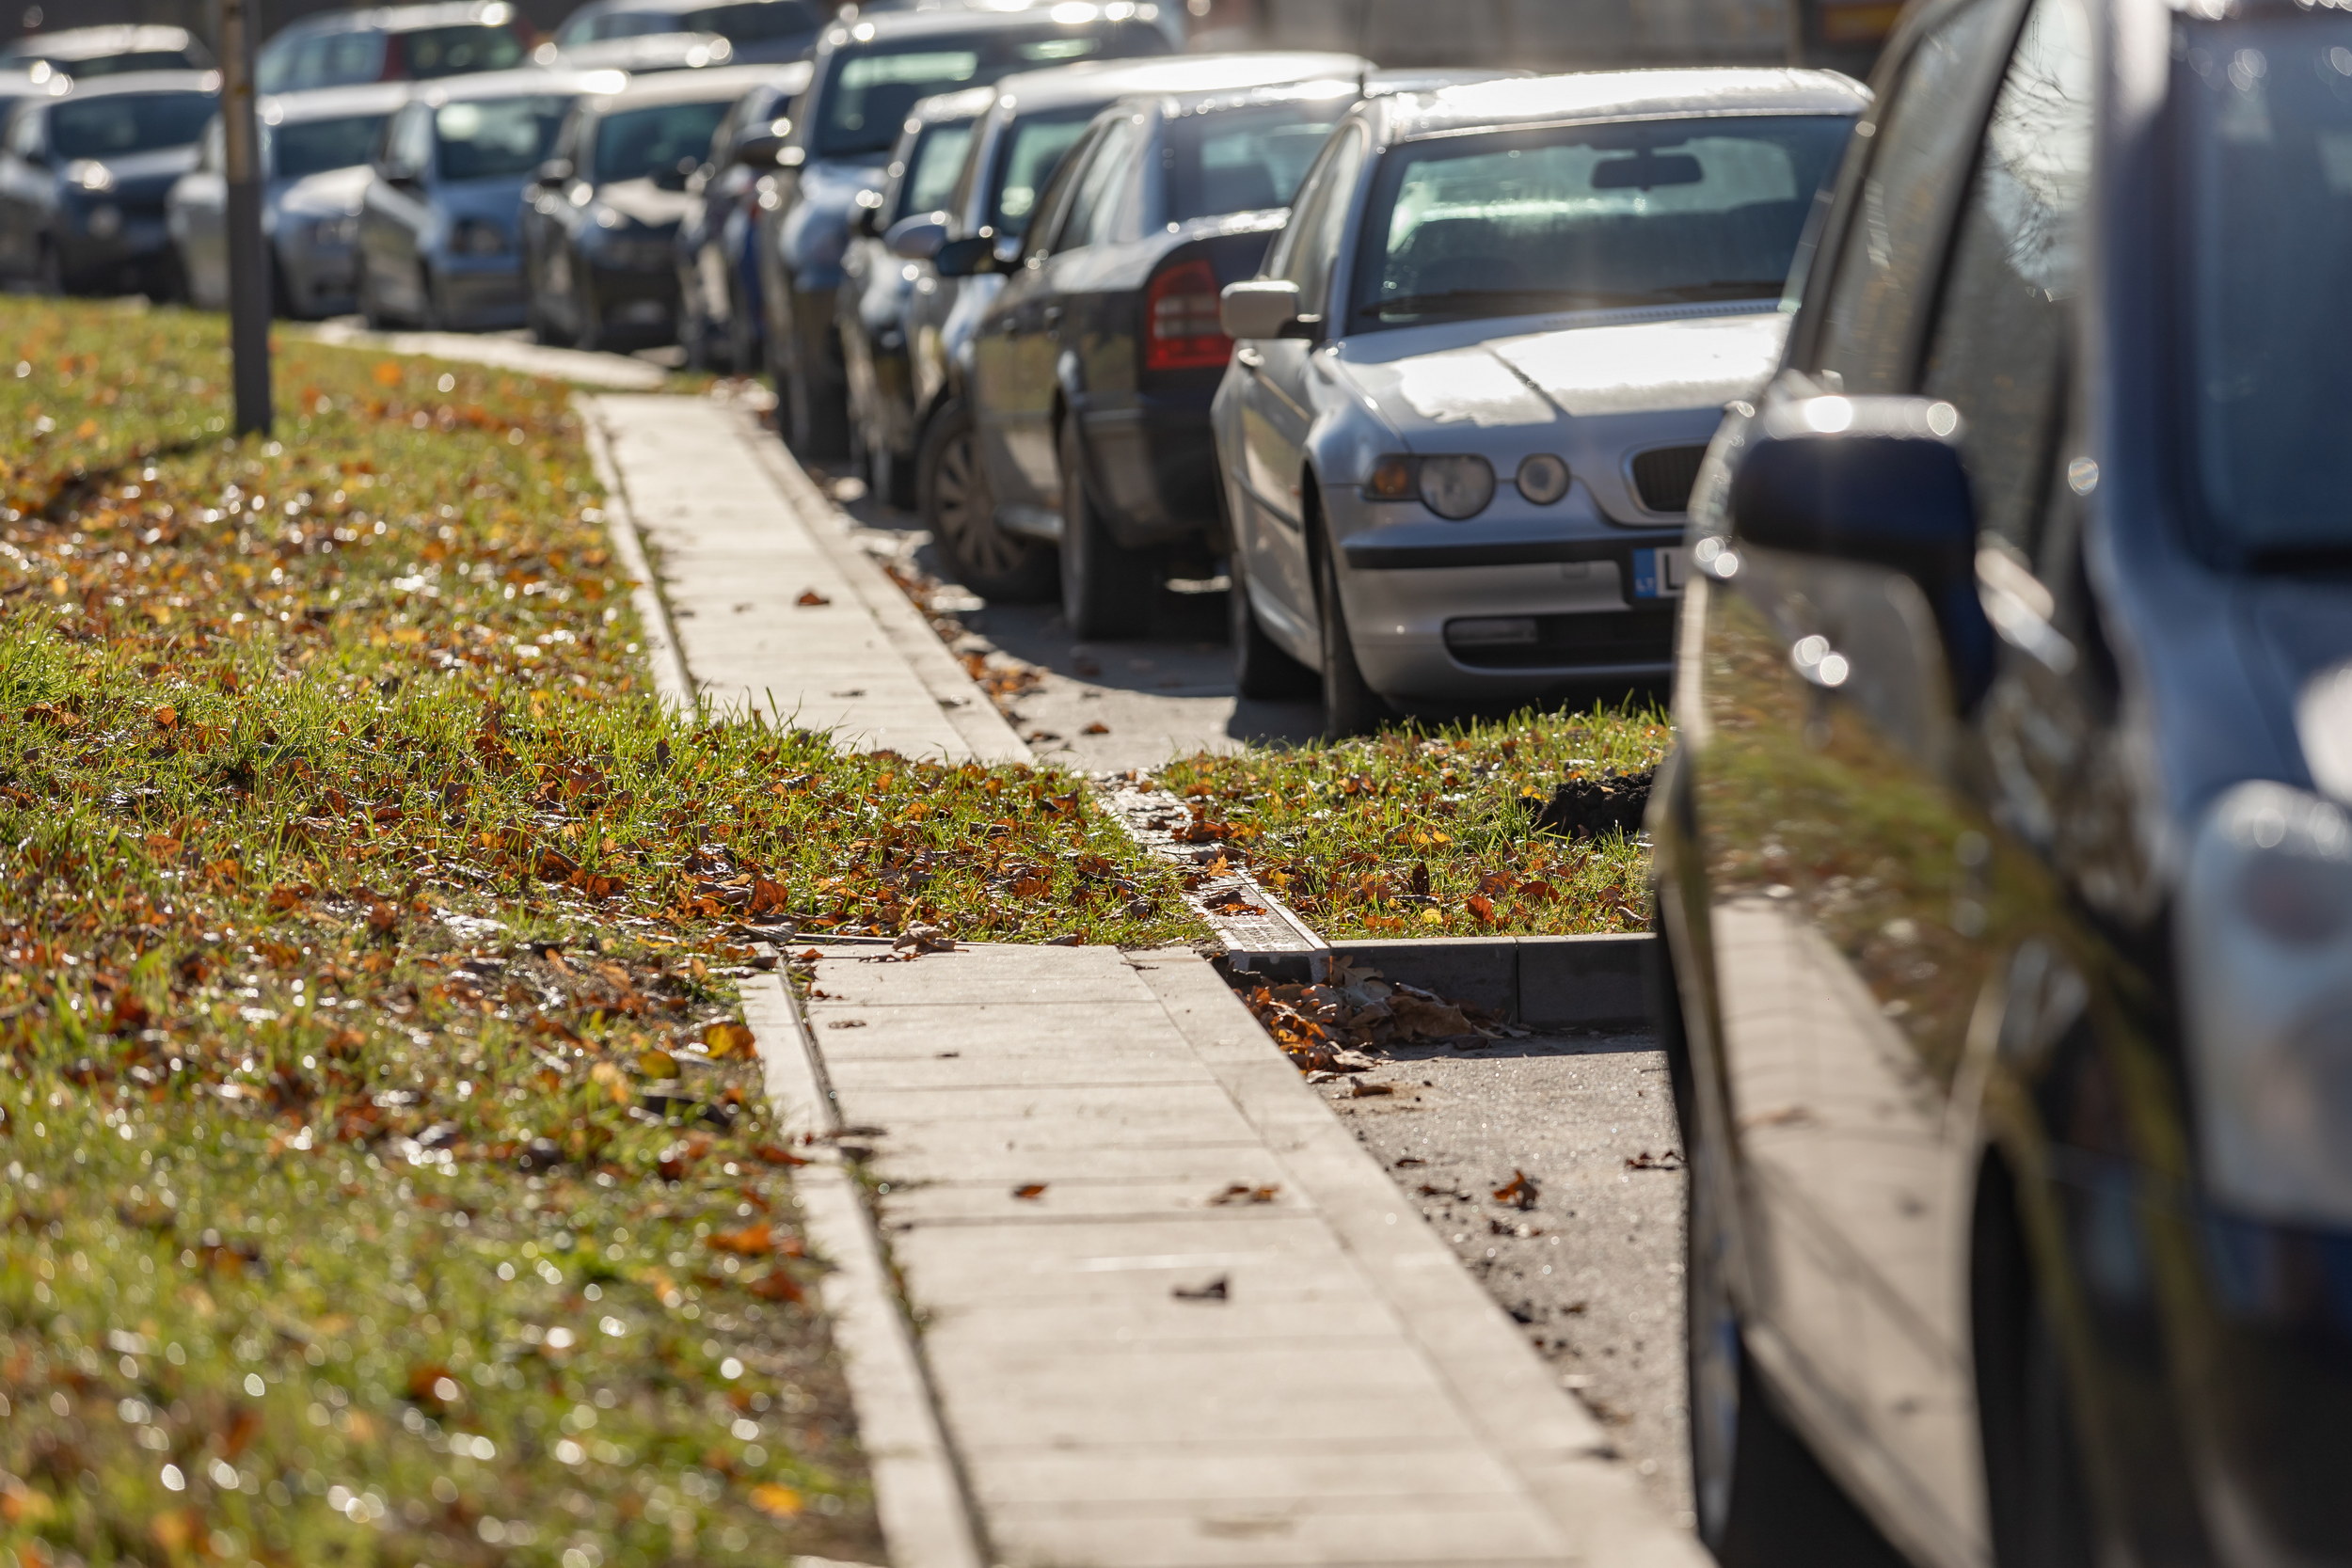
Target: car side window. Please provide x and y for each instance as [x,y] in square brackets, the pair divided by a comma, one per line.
[348,57]
[1311,243]
[1056,204]
[1999,347]
[408,150]
[1094,201]
[1918,153]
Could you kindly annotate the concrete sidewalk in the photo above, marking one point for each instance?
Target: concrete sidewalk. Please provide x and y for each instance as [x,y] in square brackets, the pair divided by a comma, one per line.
[1172,1312]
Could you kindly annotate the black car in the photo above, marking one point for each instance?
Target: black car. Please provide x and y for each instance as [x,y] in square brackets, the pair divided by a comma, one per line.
[87,53]
[83,179]
[869,74]
[761,32]
[1094,368]
[599,225]
[718,283]
[2004,864]
[896,229]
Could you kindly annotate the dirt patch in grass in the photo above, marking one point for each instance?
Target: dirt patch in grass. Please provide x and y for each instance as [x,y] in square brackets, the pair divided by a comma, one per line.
[388,1176]
[1440,833]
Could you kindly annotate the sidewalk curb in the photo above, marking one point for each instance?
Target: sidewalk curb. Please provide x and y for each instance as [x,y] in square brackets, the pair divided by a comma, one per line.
[1545,982]
[919,1497]
[670,678]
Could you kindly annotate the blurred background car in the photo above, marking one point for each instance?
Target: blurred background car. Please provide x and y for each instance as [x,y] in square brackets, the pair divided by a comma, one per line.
[867,76]
[642,54]
[759,32]
[316,148]
[599,222]
[1001,524]
[1476,376]
[87,53]
[891,234]
[718,275]
[1094,371]
[394,43]
[438,246]
[83,175]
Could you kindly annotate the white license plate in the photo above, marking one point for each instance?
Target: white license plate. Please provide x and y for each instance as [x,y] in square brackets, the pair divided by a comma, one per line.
[1659,574]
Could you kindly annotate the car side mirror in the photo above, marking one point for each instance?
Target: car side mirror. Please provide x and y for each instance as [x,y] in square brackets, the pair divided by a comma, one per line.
[864,220]
[968,257]
[761,151]
[1257,308]
[555,171]
[917,237]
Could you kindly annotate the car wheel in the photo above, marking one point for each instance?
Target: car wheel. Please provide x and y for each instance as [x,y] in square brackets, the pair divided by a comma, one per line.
[962,514]
[1107,589]
[1260,668]
[1350,707]
[891,475]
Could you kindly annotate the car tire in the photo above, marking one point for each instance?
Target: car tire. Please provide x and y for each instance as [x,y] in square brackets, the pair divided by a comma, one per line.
[1350,705]
[1261,669]
[957,505]
[2039,1505]
[1107,589]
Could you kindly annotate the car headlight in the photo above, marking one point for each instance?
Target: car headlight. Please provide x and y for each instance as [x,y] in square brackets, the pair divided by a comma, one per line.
[2264,954]
[88,174]
[1543,479]
[1457,487]
[477,237]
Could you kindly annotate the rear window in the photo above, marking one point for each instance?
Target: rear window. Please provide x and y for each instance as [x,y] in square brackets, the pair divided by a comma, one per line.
[457,51]
[1240,160]
[497,138]
[635,144]
[871,90]
[116,127]
[314,145]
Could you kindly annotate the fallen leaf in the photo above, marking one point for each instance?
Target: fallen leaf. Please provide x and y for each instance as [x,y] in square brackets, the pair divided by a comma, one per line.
[775,1155]
[810,597]
[776,1285]
[1219,1289]
[1365,1089]
[1242,1192]
[729,1039]
[781,1502]
[167,718]
[1030,1190]
[752,1241]
[1519,1192]
[656,1064]
[1098,727]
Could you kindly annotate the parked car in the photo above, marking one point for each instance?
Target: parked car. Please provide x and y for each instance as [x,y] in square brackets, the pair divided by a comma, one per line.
[762,32]
[599,222]
[867,76]
[86,54]
[316,148]
[718,275]
[1094,371]
[438,241]
[17,86]
[891,234]
[394,43]
[83,178]
[1477,373]
[2002,863]
[644,54]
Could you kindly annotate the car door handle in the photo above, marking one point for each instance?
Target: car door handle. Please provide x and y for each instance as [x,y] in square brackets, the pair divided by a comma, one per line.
[1249,358]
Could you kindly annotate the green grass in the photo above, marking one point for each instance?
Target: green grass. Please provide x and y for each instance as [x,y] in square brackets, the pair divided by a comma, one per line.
[366,1023]
[1432,832]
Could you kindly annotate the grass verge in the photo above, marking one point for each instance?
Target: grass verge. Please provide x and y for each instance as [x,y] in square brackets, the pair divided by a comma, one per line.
[388,1176]
[1433,832]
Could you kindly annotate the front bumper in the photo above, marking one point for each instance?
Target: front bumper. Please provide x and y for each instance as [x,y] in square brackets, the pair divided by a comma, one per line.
[1410,582]
[134,255]
[480,293]
[637,300]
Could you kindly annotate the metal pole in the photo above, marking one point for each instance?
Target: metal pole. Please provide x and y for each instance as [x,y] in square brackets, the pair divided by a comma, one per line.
[249,256]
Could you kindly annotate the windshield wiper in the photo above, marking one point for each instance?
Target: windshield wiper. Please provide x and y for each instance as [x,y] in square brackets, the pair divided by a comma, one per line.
[1726,288]
[1475,300]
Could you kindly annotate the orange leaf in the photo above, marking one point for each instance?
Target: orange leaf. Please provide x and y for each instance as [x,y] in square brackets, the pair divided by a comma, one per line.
[780,1501]
[776,1285]
[752,1241]
[729,1038]
[167,718]
[1032,1190]
[810,597]
[388,373]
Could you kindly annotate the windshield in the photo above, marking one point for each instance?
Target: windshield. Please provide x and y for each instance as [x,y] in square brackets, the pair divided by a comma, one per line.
[122,65]
[1240,160]
[314,145]
[1650,213]
[455,51]
[2269,104]
[757,21]
[932,167]
[1031,150]
[871,90]
[636,144]
[116,127]
[497,137]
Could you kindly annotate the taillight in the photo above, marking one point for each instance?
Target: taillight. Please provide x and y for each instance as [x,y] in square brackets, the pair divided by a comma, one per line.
[1180,325]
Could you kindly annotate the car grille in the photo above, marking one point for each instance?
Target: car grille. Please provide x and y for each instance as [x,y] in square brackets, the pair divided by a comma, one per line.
[1569,641]
[1663,476]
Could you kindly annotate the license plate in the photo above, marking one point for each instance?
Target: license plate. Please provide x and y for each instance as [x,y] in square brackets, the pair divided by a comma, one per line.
[1659,574]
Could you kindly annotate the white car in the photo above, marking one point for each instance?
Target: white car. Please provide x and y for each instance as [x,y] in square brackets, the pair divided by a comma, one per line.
[1475,377]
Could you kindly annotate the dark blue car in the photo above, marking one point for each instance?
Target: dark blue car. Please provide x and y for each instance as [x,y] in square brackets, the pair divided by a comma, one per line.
[83,179]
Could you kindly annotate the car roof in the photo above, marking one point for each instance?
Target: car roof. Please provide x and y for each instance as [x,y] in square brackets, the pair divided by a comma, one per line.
[132,81]
[604,7]
[86,43]
[963,103]
[1103,81]
[522,82]
[711,84]
[891,26]
[1600,95]
[403,19]
[360,98]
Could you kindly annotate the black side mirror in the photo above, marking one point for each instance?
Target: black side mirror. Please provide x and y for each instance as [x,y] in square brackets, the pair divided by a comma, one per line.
[555,171]
[759,151]
[866,220]
[1877,480]
[968,257]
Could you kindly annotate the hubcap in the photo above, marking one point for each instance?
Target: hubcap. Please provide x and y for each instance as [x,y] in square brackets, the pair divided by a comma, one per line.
[974,538]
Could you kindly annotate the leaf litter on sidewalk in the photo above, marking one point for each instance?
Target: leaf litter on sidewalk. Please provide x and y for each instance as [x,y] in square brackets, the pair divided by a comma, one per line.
[388,1178]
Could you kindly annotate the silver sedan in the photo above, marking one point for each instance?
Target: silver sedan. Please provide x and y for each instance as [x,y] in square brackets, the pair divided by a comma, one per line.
[1474,379]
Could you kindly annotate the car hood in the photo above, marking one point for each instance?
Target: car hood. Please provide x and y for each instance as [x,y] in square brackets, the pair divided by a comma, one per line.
[329,193]
[2297,637]
[645,203]
[146,176]
[1605,365]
